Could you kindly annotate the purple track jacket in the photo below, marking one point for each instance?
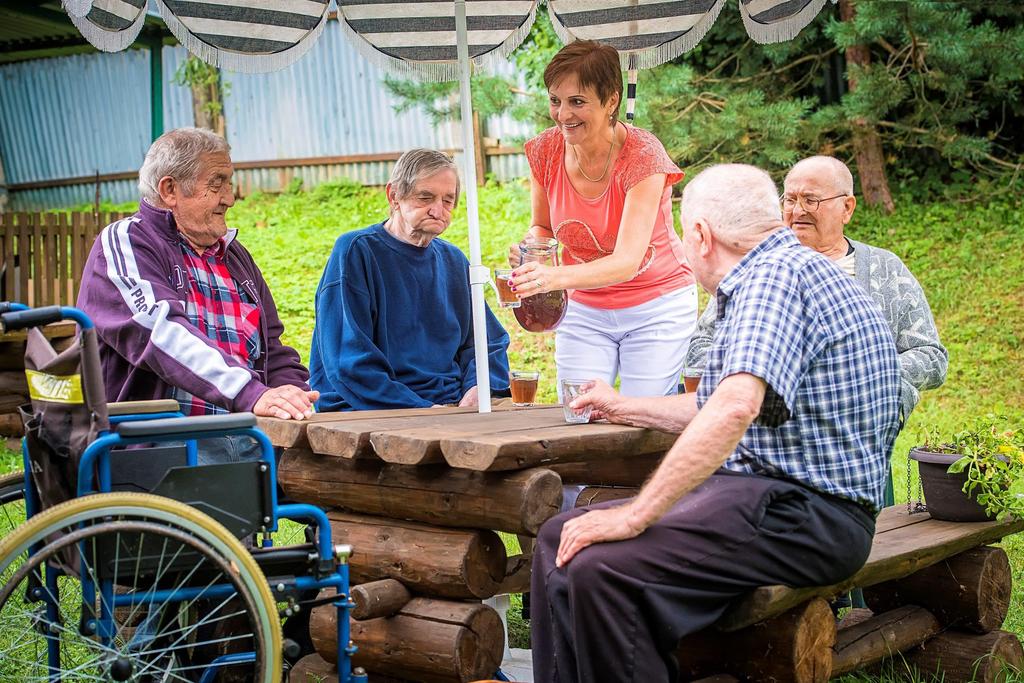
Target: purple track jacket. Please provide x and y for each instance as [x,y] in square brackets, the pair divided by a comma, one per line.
[134,287]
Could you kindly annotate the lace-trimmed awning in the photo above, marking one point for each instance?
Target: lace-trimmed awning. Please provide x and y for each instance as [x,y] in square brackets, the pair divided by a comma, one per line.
[418,38]
[648,33]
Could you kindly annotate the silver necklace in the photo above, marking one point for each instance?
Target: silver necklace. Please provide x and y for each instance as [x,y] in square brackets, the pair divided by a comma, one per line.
[607,162]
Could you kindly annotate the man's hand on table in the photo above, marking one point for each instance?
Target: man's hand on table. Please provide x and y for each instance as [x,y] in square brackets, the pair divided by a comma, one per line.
[286,402]
[596,526]
[470,399]
[606,403]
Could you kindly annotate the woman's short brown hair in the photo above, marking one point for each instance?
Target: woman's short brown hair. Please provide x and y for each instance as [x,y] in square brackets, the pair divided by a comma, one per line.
[594,64]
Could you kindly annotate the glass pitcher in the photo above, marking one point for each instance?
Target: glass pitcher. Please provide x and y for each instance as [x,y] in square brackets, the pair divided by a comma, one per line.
[541,312]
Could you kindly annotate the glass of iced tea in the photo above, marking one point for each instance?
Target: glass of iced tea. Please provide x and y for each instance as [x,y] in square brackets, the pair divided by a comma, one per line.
[524,387]
[571,390]
[691,377]
[506,297]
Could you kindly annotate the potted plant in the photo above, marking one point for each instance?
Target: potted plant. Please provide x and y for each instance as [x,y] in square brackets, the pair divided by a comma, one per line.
[976,475]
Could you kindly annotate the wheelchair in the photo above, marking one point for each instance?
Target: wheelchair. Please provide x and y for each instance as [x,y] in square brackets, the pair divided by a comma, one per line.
[123,559]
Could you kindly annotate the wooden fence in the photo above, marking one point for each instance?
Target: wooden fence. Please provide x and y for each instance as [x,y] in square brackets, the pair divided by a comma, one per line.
[42,254]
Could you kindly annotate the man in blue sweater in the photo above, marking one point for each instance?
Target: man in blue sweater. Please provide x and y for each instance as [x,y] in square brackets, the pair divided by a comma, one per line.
[394,326]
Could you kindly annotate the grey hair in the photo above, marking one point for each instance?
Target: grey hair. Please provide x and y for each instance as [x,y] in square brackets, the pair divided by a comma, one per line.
[417,164]
[739,202]
[177,154]
[839,174]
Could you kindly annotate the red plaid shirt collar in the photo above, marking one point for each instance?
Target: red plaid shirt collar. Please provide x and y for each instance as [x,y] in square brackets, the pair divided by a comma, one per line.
[219,310]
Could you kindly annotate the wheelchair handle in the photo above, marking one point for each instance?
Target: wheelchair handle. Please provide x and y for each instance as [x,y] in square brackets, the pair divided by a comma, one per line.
[6,306]
[192,426]
[34,317]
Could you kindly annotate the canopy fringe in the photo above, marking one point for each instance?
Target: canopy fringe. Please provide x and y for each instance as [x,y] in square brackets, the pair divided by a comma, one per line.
[784,30]
[423,71]
[108,41]
[508,46]
[76,8]
[650,57]
[240,61]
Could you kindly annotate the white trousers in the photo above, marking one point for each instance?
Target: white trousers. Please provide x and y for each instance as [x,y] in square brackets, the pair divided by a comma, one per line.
[644,345]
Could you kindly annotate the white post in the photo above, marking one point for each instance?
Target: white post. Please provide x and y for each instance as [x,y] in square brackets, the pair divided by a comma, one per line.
[478,275]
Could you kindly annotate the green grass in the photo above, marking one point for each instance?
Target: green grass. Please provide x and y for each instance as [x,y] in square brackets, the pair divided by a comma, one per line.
[968,258]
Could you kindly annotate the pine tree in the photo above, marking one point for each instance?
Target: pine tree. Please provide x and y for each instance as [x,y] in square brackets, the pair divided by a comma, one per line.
[920,93]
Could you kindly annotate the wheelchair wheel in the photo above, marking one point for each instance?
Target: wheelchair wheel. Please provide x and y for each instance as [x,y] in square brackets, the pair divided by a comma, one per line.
[133,587]
[12,501]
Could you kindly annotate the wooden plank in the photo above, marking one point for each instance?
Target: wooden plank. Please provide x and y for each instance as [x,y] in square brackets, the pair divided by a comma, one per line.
[351,439]
[292,433]
[61,330]
[75,246]
[48,248]
[418,444]
[38,262]
[24,259]
[894,554]
[7,237]
[896,517]
[65,275]
[556,444]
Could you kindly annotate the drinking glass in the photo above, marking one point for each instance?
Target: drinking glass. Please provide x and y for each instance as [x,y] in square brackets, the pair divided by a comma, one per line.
[572,389]
[524,387]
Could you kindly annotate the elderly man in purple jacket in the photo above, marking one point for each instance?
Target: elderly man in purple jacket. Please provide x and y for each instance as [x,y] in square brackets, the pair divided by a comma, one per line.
[180,307]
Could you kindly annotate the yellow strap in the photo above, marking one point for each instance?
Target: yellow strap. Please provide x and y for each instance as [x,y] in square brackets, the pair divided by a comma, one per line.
[54,388]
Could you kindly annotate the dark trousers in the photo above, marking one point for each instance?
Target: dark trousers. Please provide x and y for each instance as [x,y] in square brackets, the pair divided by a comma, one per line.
[617,611]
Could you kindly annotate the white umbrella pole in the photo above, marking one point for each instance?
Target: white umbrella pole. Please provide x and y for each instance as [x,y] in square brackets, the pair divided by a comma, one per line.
[478,275]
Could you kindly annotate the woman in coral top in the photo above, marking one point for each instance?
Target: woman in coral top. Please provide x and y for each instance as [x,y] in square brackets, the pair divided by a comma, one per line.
[603,189]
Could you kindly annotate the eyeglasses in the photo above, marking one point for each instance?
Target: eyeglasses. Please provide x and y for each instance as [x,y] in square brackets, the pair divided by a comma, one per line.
[809,205]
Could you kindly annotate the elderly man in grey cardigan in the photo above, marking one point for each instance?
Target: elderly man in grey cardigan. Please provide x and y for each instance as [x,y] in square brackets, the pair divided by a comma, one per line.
[817,203]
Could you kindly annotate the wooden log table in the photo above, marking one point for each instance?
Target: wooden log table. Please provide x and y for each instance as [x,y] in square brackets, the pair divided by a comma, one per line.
[404,482]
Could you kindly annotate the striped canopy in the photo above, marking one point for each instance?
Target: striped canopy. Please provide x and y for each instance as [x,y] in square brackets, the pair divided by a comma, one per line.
[246,35]
[110,25]
[418,38]
[648,32]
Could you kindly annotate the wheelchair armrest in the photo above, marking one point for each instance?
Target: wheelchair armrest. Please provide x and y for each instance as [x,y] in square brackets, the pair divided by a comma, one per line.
[143,407]
[186,427]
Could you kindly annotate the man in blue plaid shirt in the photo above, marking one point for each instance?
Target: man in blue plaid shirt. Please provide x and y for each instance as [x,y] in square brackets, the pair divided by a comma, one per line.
[779,471]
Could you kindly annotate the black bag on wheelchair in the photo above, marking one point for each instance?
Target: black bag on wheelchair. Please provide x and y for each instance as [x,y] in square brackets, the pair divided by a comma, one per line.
[65,415]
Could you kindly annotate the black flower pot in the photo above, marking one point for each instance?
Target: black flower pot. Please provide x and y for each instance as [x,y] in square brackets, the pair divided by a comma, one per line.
[944,492]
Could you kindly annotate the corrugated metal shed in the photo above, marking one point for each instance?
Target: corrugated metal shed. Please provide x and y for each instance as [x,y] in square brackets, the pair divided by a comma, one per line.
[71,117]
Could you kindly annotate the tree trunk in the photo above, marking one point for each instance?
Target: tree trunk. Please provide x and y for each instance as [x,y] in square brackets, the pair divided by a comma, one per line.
[313,668]
[795,646]
[867,145]
[592,495]
[517,502]
[881,636]
[628,471]
[202,97]
[963,657]
[378,599]
[451,563]
[427,640]
[971,590]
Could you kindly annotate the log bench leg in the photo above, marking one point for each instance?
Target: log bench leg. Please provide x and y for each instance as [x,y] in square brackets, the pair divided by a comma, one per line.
[795,647]
[960,657]
[970,591]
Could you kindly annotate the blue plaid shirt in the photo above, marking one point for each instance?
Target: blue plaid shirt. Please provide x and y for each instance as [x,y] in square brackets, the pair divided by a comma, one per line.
[830,415]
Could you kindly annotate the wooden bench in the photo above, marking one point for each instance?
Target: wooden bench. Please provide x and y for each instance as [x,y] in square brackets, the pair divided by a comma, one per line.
[929,582]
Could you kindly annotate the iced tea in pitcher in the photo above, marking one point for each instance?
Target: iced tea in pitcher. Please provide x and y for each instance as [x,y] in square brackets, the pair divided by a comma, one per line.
[541,312]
